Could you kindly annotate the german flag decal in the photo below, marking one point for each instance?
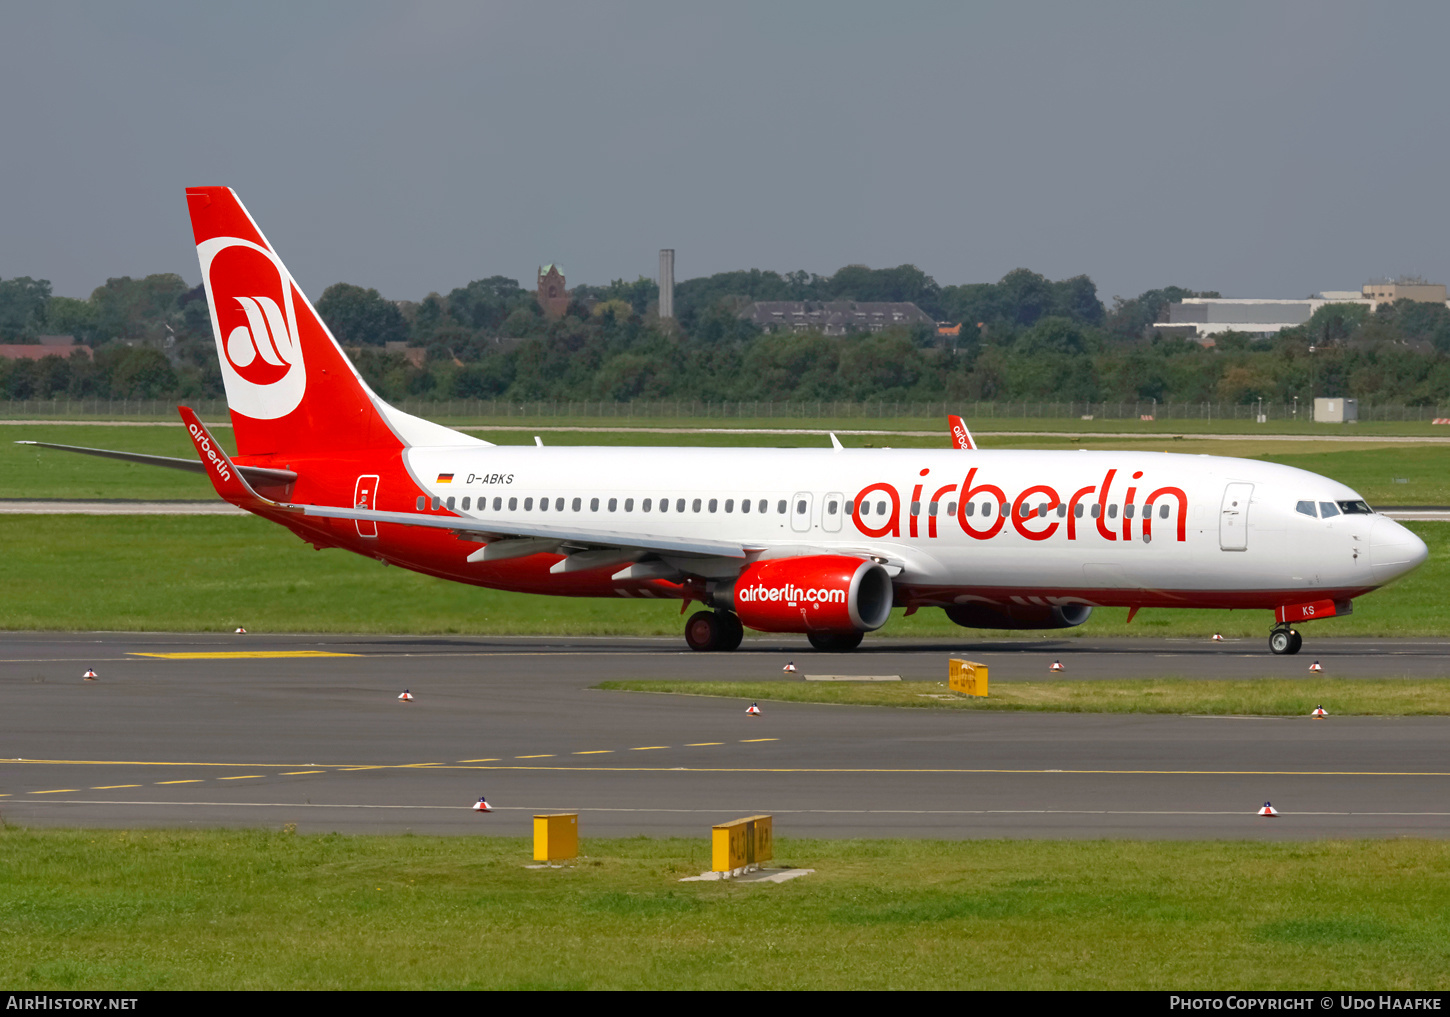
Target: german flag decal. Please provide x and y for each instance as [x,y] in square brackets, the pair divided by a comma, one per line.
[445,478]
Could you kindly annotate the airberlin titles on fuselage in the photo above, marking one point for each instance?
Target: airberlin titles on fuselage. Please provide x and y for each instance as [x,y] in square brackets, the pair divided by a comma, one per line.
[1038,512]
[1028,512]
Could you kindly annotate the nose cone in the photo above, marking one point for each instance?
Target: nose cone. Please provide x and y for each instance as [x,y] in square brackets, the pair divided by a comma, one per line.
[1393,550]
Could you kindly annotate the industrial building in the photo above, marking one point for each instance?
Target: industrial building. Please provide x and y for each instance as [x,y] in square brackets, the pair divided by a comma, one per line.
[1202,318]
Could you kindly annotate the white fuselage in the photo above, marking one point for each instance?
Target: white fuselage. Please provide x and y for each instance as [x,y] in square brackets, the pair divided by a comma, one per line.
[1219,532]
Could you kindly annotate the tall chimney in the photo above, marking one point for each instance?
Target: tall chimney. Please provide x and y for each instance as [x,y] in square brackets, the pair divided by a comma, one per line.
[667,283]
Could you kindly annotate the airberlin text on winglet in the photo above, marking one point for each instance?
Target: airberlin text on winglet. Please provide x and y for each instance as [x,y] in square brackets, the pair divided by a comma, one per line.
[204,445]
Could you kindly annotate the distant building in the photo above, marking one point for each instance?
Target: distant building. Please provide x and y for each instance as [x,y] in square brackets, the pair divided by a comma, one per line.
[1405,289]
[48,346]
[553,295]
[1202,318]
[832,317]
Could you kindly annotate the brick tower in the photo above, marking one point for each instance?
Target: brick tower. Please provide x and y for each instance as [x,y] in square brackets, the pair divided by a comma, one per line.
[553,294]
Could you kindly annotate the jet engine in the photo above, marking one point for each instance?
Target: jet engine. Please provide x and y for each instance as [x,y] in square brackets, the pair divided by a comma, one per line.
[815,594]
[1018,616]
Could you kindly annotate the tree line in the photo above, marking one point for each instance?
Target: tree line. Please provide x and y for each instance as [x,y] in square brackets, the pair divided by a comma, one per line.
[1023,337]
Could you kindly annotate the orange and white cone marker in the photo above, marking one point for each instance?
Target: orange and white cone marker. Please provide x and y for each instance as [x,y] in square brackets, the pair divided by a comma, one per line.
[407,696]
[1315,667]
[241,631]
[1057,666]
[1319,711]
[482,806]
[789,668]
[753,710]
[1218,637]
[1268,810]
[90,675]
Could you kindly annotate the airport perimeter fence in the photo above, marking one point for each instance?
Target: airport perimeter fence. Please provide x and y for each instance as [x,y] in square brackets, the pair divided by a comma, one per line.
[977,412]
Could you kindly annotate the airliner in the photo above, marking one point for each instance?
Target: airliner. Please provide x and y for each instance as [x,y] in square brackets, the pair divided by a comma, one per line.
[822,542]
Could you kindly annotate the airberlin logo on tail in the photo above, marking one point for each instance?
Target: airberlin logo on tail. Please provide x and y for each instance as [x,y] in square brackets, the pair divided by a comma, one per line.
[255,319]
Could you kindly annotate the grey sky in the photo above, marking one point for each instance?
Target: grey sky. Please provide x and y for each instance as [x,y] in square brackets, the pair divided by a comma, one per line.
[1260,149]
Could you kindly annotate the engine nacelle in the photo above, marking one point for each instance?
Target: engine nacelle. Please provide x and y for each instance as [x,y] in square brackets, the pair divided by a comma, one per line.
[820,593]
[1018,616]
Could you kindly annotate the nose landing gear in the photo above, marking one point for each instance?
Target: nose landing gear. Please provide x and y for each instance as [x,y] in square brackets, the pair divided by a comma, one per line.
[1284,641]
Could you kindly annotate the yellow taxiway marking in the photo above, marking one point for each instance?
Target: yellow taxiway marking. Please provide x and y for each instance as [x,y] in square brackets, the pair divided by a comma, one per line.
[57,791]
[478,760]
[245,776]
[244,654]
[546,755]
[593,752]
[298,773]
[698,745]
[112,787]
[197,781]
[646,748]
[379,767]
[744,740]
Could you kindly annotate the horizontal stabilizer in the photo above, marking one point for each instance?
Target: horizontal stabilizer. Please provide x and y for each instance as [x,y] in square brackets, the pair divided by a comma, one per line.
[254,474]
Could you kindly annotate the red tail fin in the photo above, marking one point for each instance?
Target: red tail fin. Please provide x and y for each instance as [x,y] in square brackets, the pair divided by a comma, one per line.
[290,387]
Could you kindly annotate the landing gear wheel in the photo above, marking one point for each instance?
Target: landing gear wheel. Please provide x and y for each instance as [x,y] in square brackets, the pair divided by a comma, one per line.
[732,631]
[1285,642]
[704,631]
[835,642]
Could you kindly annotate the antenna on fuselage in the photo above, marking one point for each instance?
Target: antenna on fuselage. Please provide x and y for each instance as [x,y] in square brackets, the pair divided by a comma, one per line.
[836,442]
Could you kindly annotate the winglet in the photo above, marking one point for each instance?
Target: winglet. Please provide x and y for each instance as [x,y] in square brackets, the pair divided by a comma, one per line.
[225,477]
[961,437]
[836,442]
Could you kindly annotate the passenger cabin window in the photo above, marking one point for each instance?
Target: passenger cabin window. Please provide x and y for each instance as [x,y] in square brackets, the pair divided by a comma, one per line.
[420,503]
[1163,511]
[780,507]
[513,504]
[850,508]
[1128,511]
[465,504]
[1306,508]
[714,504]
[629,504]
[951,508]
[830,508]
[437,502]
[577,503]
[543,504]
[450,503]
[664,504]
[613,504]
[800,507]
[594,505]
[972,508]
[1112,511]
[559,504]
[986,509]
[1077,511]
[729,504]
[761,506]
[528,504]
[916,508]
[1327,509]
[680,504]
[644,506]
[744,504]
[695,505]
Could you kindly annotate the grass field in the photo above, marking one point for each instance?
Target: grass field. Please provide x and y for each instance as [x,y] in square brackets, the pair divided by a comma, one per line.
[1261,697]
[208,573]
[261,910]
[1375,470]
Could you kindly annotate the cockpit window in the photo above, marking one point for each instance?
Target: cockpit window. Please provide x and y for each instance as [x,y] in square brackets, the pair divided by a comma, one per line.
[1327,509]
[1355,508]
[1307,508]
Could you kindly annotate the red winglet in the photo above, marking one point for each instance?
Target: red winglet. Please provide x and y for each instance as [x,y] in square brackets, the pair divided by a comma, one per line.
[961,437]
[225,477]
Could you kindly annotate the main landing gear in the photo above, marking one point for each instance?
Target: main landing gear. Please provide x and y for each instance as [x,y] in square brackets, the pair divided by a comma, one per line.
[1285,641]
[835,642]
[713,630]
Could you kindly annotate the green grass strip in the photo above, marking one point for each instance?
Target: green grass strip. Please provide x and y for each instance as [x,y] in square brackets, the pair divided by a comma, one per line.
[1261,697]
[92,909]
